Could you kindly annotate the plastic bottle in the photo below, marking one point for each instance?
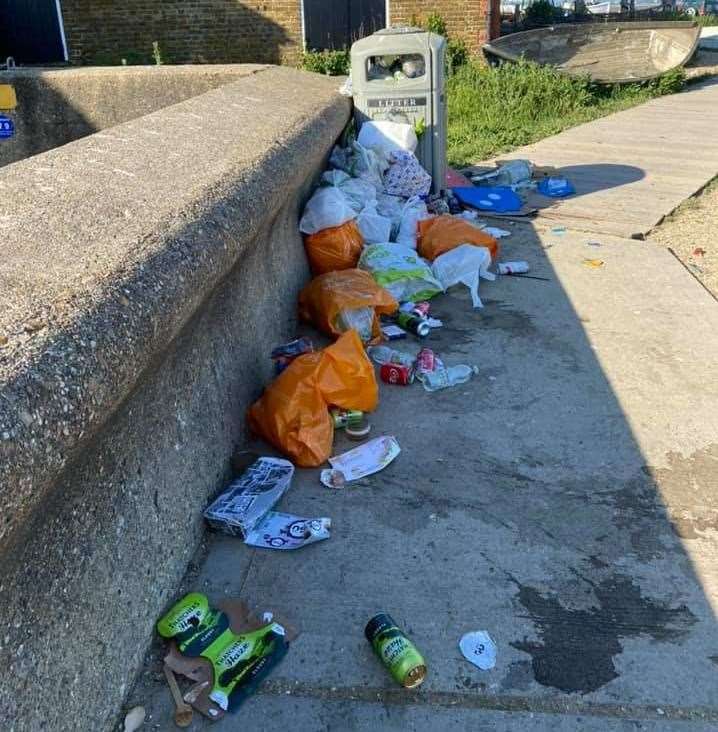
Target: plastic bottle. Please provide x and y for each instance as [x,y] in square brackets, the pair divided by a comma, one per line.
[445,377]
[384,354]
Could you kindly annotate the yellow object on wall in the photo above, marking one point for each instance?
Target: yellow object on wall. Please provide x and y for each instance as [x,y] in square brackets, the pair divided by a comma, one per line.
[8,99]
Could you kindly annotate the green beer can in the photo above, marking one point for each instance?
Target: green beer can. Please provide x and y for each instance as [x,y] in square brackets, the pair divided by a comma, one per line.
[396,651]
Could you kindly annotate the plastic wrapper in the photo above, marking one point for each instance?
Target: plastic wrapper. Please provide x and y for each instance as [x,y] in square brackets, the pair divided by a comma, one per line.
[443,233]
[465,264]
[285,531]
[361,163]
[327,208]
[326,296]
[293,413]
[359,193]
[401,271]
[336,248]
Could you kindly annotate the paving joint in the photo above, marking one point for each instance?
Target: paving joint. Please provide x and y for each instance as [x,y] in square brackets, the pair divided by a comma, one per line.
[499,703]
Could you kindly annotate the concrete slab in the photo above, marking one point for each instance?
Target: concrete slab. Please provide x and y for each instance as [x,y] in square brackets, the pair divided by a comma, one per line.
[631,169]
[564,500]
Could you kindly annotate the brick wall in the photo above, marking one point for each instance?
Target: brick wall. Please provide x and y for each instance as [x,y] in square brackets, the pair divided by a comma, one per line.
[188,31]
[464,18]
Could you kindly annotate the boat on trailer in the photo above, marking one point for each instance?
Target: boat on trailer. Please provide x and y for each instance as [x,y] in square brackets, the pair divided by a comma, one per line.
[609,53]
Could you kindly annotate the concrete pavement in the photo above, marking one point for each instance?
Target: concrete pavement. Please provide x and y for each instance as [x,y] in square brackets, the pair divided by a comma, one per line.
[564,500]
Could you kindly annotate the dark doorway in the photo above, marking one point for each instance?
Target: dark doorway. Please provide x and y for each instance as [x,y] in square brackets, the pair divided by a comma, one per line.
[31,31]
[338,23]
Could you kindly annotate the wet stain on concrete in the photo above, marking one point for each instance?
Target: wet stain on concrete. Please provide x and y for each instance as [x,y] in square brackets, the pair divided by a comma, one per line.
[576,647]
[518,677]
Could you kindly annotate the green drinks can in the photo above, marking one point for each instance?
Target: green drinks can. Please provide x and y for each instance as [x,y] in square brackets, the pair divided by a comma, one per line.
[396,651]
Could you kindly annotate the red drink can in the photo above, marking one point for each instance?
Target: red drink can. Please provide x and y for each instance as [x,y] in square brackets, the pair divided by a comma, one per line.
[421,309]
[425,360]
[396,373]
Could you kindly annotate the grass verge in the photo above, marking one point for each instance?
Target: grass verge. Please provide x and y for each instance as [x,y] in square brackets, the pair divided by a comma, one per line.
[495,109]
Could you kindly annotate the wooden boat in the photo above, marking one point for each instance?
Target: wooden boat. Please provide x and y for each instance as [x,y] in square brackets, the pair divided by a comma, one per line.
[610,53]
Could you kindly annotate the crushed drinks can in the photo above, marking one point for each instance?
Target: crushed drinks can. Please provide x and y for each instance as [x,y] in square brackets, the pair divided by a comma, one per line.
[396,373]
[284,355]
[425,361]
[414,324]
[509,268]
[344,417]
[396,651]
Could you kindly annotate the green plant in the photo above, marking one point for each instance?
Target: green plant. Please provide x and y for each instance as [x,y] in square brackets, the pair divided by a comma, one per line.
[457,54]
[331,63]
[435,23]
[495,109]
[156,53]
[541,12]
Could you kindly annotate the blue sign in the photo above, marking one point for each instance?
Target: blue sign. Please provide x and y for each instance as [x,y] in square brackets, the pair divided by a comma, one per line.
[7,127]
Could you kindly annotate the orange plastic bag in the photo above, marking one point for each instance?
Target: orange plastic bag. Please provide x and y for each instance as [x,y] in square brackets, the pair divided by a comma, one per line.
[443,233]
[335,248]
[321,301]
[293,413]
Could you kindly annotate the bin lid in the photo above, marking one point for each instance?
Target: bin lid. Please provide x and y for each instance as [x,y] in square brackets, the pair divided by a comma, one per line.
[399,30]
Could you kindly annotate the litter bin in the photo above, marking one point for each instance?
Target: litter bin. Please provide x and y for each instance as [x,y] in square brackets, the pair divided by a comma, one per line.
[398,75]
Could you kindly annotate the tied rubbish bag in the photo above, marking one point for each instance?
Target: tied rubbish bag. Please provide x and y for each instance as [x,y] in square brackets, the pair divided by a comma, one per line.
[443,233]
[338,247]
[293,413]
[326,301]
[401,271]
[328,207]
[465,264]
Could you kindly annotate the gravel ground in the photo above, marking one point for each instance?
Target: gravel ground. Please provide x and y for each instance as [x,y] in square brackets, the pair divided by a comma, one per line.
[691,233]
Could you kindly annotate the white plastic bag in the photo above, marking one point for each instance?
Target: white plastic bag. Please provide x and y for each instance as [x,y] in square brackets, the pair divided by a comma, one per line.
[401,271]
[359,193]
[375,229]
[328,207]
[360,163]
[465,264]
[413,212]
[384,137]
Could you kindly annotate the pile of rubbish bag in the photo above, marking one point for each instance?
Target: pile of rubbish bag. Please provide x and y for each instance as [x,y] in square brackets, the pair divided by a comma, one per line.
[380,247]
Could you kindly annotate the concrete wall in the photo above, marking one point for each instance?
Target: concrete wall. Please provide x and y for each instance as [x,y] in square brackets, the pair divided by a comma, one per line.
[61,105]
[188,31]
[145,274]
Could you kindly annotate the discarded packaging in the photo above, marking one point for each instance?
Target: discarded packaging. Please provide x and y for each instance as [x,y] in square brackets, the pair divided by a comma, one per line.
[243,503]
[443,377]
[367,459]
[374,228]
[414,324]
[293,413]
[511,173]
[496,232]
[338,247]
[444,233]
[479,648]
[395,651]
[466,264]
[400,271]
[555,187]
[330,294]
[285,354]
[332,478]
[344,417]
[384,354]
[384,137]
[595,263]
[510,268]
[358,431]
[284,531]
[412,212]
[393,332]
[239,662]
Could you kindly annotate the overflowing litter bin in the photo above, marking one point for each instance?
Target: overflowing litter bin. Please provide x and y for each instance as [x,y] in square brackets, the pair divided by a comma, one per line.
[398,74]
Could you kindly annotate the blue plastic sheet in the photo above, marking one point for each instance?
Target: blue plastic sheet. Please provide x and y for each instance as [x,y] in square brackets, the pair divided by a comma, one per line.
[556,187]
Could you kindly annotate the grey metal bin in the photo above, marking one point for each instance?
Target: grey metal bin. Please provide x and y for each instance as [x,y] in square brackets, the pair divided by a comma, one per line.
[398,75]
